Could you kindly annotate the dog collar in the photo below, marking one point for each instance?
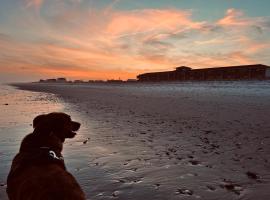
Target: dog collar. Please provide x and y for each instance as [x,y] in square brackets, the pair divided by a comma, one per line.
[52,154]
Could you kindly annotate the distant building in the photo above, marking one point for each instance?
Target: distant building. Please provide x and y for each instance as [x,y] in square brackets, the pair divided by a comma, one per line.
[132,80]
[78,81]
[243,72]
[114,81]
[51,80]
[61,80]
[99,81]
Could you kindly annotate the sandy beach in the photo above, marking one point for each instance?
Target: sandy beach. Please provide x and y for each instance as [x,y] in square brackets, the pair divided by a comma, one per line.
[169,141]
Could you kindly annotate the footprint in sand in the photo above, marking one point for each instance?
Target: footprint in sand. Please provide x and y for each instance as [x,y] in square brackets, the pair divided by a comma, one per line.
[252,175]
[3,185]
[194,162]
[157,185]
[184,191]
[116,193]
[232,187]
[211,188]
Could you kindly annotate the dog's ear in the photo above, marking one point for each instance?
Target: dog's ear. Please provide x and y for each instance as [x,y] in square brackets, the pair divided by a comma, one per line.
[38,120]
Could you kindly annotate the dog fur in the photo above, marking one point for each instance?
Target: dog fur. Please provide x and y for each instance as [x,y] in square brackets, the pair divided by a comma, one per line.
[38,171]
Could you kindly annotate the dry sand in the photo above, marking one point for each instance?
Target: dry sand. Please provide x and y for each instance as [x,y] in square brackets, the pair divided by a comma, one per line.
[170,141]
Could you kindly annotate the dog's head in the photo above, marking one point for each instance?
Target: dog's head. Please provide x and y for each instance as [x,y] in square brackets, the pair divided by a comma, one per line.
[58,124]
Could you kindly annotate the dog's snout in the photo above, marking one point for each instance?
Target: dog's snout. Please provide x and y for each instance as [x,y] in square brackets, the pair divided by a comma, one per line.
[75,126]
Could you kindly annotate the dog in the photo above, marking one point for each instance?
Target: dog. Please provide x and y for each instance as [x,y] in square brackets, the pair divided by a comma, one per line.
[38,171]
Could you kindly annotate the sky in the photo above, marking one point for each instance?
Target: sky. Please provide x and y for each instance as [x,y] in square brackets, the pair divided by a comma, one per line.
[112,39]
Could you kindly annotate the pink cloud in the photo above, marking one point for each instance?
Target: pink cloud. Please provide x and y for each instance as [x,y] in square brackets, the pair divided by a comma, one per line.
[251,46]
[34,3]
[235,17]
[239,57]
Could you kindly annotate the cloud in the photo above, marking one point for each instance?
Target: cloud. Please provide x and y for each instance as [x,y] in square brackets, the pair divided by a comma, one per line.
[233,17]
[238,18]
[4,37]
[149,20]
[34,3]
[210,41]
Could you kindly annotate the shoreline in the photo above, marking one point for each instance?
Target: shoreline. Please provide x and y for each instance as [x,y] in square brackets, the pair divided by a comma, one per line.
[159,142]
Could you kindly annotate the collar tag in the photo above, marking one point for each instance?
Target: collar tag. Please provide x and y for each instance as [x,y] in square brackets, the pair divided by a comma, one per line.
[54,156]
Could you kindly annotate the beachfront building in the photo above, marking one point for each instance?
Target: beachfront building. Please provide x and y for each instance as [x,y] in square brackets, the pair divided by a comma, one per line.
[61,80]
[78,81]
[53,80]
[114,81]
[243,72]
[132,80]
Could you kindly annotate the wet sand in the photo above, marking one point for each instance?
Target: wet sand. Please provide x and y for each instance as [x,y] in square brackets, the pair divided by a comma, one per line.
[169,141]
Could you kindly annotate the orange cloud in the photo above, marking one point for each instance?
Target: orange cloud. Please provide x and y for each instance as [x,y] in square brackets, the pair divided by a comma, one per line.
[149,20]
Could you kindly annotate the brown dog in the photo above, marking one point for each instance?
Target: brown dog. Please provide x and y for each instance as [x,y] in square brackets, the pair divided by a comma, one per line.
[38,171]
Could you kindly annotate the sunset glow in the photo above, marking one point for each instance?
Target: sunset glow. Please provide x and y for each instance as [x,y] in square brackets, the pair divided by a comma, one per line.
[111,39]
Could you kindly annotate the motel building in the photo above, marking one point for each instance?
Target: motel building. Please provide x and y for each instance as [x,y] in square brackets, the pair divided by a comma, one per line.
[183,73]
